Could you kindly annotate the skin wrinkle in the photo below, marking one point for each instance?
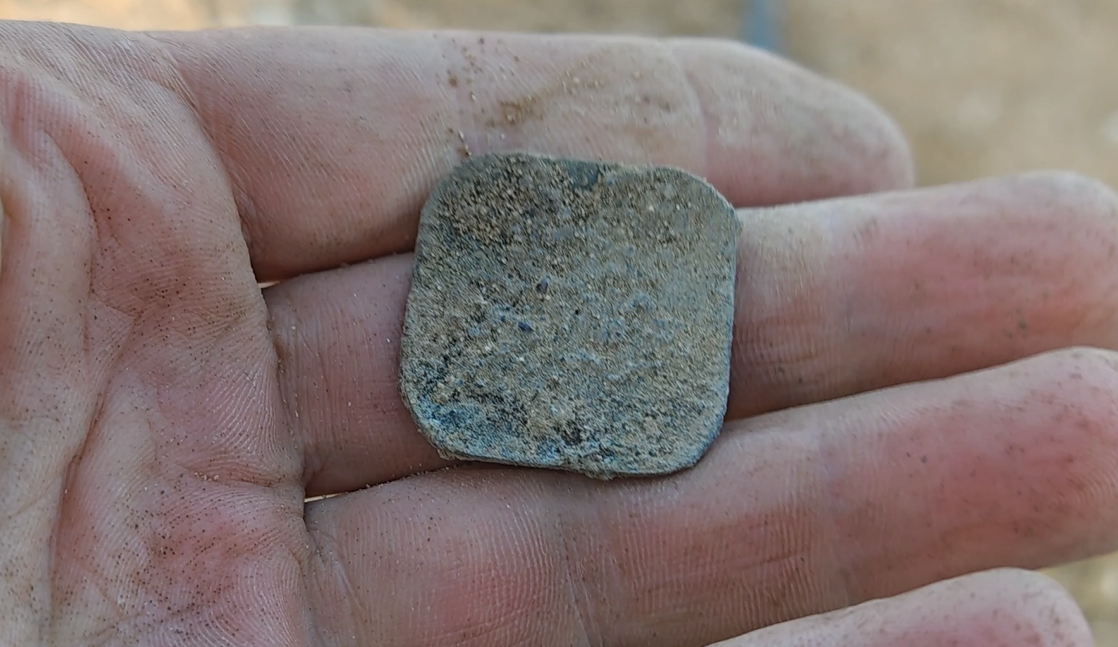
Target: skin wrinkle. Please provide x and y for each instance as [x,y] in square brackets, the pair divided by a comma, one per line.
[293,403]
[605,579]
[704,117]
[575,579]
[842,570]
[32,469]
[97,406]
[233,178]
[352,598]
[311,358]
[197,102]
[805,365]
[785,530]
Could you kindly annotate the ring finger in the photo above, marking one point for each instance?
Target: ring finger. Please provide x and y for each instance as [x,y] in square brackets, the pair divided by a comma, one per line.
[791,514]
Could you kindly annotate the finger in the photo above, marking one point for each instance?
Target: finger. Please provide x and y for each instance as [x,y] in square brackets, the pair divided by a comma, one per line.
[833,298]
[794,513]
[860,294]
[1003,607]
[334,138]
[337,336]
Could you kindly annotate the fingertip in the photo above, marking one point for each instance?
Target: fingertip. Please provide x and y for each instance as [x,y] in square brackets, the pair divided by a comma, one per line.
[1075,194]
[883,145]
[1007,606]
[777,132]
[999,607]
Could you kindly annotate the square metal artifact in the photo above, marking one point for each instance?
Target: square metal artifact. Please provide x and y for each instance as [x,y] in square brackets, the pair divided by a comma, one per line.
[572,315]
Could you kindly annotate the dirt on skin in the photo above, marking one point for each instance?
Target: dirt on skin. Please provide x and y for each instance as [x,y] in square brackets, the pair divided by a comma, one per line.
[981,87]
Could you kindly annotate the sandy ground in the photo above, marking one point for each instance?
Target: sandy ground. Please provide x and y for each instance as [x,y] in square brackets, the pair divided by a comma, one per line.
[981,87]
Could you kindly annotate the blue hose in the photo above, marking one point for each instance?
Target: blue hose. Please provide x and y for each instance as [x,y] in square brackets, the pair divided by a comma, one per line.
[761,25]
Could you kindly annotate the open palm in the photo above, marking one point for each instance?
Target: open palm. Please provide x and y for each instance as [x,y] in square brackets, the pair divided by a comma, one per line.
[163,418]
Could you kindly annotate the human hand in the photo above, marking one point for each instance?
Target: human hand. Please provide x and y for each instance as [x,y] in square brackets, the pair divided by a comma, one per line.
[163,418]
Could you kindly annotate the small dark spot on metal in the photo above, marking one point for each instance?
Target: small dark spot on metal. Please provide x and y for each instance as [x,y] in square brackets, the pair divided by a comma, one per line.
[524,326]
[542,286]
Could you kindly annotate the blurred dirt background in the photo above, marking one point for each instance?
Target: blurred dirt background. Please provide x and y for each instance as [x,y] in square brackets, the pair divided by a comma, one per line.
[981,87]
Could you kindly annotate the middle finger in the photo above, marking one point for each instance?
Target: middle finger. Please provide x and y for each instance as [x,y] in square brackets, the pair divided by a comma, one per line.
[833,298]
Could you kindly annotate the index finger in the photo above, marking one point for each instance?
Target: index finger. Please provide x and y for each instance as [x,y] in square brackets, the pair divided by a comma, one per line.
[333,138]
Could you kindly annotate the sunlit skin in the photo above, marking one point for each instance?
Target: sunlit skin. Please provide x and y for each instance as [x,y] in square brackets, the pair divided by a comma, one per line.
[921,391]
